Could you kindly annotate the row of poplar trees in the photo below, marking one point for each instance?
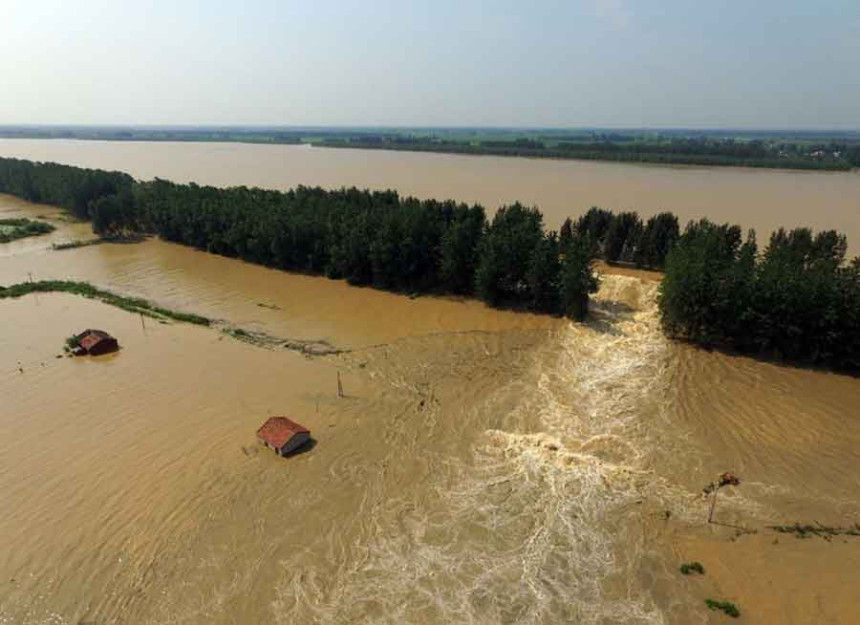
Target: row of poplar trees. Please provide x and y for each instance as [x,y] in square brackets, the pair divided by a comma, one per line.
[367,238]
[798,299]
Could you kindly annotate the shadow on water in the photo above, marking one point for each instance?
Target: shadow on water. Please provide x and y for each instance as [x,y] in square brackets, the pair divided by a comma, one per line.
[773,359]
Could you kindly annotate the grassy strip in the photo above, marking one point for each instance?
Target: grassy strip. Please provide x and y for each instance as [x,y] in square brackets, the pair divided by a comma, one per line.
[317,347]
[85,289]
[143,307]
[13,229]
[70,245]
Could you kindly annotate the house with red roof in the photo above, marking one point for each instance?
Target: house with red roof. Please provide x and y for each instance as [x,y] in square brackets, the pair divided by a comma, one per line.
[283,435]
[95,343]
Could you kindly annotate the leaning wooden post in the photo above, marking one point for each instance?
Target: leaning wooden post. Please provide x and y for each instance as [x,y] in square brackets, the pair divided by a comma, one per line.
[339,386]
[726,479]
[713,505]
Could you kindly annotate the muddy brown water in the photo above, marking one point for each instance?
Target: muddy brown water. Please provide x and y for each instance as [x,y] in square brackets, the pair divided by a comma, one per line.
[484,467]
[753,198]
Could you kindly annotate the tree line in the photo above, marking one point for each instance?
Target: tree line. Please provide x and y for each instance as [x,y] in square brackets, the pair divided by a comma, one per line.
[373,238]
[625,237]
[799,299]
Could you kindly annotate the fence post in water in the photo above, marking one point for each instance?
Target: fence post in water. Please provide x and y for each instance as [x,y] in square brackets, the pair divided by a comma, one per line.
[339,386]
[726,479]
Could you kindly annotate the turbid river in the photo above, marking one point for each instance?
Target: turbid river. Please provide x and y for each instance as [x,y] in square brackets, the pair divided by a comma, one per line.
[753,198]
[484,466]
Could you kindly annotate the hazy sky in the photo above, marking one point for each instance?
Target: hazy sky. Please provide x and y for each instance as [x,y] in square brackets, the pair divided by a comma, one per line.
[745,63]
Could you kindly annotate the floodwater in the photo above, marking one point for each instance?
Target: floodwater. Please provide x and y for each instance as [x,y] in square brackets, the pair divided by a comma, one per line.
[752,198]
[484,466]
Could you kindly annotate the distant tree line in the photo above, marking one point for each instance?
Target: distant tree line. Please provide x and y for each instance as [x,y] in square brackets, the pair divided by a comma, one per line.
[798,300]
[833,155]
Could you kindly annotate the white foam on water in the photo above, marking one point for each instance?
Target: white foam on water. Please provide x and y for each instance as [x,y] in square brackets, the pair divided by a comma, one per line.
[543,524]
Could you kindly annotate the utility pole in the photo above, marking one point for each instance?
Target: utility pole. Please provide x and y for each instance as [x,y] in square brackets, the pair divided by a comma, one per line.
[339,386]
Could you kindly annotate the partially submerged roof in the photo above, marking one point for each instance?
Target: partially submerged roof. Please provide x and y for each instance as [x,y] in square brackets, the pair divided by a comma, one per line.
[277,431]
[96,333]
[90,338]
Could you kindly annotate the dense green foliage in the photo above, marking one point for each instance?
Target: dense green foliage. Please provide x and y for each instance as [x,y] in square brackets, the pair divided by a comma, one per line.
[799,300]
[372,238]
[367,238]
[12,229]
[84,289]
[622,237]
[73,188]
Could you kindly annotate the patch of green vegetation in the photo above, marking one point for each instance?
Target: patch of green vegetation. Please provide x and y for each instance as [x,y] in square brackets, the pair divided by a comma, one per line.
[692,567]
[84,289]
[725,606]
[71,344]
[19,228]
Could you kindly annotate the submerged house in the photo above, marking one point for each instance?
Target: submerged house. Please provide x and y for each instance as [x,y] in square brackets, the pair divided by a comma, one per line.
[95,342]
[283,435]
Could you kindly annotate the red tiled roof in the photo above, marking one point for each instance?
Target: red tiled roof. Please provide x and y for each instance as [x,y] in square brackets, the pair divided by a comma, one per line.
[90,338]
[277,431]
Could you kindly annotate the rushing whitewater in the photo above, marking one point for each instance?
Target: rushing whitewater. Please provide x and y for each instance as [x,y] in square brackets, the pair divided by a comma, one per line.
[542,520]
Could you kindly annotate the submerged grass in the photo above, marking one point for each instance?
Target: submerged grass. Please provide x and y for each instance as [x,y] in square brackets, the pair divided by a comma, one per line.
[70,245]
[85,289]
[20,228]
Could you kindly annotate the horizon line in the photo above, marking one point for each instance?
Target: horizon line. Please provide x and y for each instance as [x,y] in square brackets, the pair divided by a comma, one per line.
[521,128]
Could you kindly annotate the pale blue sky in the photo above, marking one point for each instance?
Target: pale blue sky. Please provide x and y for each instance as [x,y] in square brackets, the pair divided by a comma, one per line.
[745,63]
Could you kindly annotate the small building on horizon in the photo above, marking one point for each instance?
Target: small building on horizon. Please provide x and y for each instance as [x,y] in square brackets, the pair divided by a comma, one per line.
[95,343]
[283,435]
